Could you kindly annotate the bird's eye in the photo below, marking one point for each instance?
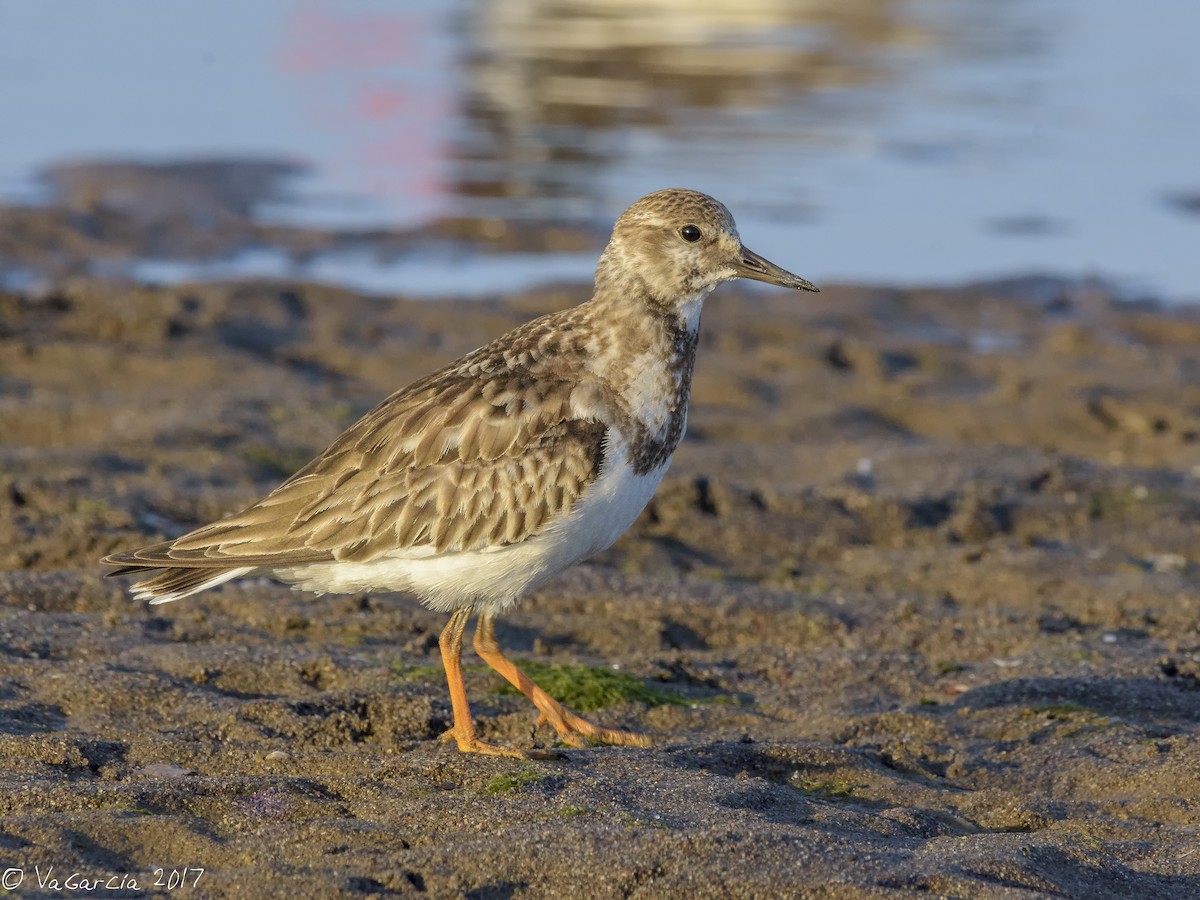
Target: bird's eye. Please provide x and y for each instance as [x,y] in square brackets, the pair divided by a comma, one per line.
[690,233]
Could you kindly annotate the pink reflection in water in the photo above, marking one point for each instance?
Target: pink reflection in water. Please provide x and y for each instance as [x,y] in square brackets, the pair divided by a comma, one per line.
[379,83]
[318,37]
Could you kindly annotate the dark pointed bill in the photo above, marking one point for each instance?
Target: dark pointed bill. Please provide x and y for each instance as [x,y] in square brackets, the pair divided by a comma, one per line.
[754,266]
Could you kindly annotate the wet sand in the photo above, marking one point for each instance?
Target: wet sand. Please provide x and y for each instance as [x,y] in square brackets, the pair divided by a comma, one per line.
[914,612]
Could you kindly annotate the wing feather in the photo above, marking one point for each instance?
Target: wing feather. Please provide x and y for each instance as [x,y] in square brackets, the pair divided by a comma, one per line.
[485,452]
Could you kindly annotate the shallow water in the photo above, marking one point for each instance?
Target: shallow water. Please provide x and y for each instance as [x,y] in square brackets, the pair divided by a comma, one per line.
[898,142]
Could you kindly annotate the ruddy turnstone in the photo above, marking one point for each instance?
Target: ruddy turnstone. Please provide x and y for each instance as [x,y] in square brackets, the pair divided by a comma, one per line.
[477,483]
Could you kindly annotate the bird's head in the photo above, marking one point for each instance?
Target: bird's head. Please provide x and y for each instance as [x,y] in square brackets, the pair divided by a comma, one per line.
[676,245]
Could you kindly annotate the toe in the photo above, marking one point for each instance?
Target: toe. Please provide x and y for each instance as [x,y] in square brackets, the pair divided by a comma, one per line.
[475,745]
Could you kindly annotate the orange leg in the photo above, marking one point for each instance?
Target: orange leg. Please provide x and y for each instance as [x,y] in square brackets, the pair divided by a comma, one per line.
[463,732]
[572,730]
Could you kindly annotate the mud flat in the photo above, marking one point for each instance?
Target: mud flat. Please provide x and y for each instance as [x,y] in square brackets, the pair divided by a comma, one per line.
[915,612]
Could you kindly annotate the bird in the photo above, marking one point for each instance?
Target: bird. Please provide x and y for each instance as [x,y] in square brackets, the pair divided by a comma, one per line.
[477,483]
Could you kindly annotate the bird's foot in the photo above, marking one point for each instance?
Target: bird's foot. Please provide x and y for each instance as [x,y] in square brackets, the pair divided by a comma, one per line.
[573,730]
[473,744]
[576,731]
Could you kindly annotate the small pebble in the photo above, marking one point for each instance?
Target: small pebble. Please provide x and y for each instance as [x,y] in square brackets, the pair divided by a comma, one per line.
[165,770]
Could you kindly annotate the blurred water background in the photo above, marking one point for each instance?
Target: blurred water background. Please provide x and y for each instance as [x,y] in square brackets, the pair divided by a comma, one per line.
[896,141]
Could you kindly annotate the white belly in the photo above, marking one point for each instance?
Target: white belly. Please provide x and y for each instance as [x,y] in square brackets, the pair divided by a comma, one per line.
[496,578]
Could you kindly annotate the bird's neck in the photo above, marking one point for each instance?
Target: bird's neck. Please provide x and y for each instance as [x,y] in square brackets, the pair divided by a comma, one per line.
[647,361]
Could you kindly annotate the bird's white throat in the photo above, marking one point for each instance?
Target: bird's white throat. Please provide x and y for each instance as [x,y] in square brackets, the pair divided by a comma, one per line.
[690,308]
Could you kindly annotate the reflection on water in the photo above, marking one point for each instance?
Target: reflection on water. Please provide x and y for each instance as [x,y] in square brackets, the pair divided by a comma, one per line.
[863,139]
[380,78]
[557,91]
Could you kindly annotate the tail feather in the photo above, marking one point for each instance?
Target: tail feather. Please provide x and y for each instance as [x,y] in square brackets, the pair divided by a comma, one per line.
[176,583]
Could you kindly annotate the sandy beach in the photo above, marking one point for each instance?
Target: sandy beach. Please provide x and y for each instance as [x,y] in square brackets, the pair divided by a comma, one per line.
[914,612]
